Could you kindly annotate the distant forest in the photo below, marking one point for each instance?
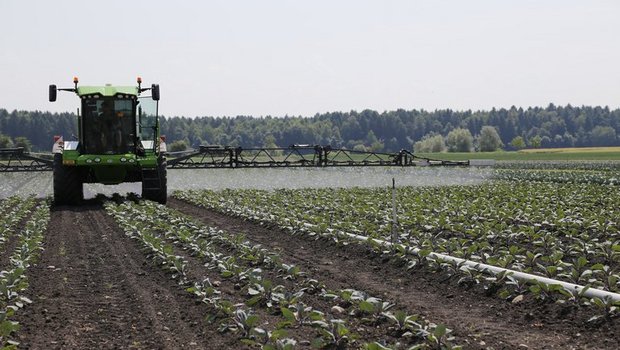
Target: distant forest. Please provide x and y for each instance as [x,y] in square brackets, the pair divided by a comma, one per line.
[553,126]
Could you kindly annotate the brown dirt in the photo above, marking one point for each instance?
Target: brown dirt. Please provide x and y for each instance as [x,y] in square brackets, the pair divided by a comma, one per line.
[94,289]
[479,321]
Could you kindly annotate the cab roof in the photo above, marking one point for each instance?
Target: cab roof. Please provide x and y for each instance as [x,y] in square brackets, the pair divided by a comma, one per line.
[107,91]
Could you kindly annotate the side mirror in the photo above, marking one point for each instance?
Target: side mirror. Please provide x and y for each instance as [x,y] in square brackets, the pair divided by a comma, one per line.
[53,91]
[155,92]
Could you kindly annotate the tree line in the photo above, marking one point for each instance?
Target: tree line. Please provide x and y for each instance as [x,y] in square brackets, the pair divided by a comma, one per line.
[551,126]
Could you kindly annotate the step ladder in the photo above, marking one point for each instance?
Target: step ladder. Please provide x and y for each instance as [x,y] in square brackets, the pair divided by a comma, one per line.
[151,180]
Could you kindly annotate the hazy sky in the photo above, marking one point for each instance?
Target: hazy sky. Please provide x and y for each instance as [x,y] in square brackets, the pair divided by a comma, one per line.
[227,58]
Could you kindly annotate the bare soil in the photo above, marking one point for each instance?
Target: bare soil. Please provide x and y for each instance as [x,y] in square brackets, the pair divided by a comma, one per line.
[479,319]
[94,289]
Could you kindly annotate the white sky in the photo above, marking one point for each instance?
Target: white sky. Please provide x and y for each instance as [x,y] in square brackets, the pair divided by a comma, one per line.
[227,58]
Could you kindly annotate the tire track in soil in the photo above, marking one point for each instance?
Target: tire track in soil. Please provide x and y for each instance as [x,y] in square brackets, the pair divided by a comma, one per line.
[94,289]
[479,321]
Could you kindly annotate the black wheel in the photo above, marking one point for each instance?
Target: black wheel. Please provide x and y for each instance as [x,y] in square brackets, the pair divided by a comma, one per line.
[68,187]
[155,183]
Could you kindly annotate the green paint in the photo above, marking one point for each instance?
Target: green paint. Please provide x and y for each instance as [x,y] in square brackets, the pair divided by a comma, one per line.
[111,168]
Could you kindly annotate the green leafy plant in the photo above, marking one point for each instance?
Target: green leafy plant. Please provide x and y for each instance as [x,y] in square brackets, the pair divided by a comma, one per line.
[402,321]
[300,314]
[241,321]
[607,305]
[335,334]
[263,292]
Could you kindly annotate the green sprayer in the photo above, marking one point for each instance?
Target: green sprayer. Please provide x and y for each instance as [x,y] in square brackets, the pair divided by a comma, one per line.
[118,141]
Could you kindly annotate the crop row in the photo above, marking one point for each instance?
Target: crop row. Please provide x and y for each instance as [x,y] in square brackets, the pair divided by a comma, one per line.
[598,165]
[562,231]
[270,287]
[13,280]
[12,212]
[599,177]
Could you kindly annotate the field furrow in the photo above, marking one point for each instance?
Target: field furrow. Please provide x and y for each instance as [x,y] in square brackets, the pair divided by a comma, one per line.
[269,288]
[493,264]
[481,321]
[93,288]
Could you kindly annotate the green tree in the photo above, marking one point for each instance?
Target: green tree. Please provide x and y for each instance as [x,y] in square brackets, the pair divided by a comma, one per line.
[5,141]
[518,142]
[377,146]
[603,136]
[359,147]
[578,126]
[459,140]
[269,142]
[431,143]
[371,138]
[535,141]
[489,140]
[178,146]
[22,141]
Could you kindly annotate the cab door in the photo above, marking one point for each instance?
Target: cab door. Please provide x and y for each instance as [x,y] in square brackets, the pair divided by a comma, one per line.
[147,122]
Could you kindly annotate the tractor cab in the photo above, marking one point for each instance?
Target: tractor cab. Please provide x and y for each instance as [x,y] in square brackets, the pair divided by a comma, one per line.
[118,142]
[116,120]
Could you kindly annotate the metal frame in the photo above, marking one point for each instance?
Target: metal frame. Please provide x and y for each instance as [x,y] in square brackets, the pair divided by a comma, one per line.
[296,156]
[17,160]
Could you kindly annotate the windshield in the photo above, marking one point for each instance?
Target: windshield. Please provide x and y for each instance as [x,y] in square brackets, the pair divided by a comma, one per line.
[108,125]
[147,118]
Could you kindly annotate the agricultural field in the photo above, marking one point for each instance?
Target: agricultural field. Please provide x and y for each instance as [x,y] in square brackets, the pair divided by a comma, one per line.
[587,154]
[319,258]
[23,222]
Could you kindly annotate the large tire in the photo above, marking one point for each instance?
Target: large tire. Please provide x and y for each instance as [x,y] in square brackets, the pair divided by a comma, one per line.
[156,190]
[68,183]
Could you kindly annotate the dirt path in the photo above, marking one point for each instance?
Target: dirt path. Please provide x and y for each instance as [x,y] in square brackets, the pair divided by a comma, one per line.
[94,289]
[482,322]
